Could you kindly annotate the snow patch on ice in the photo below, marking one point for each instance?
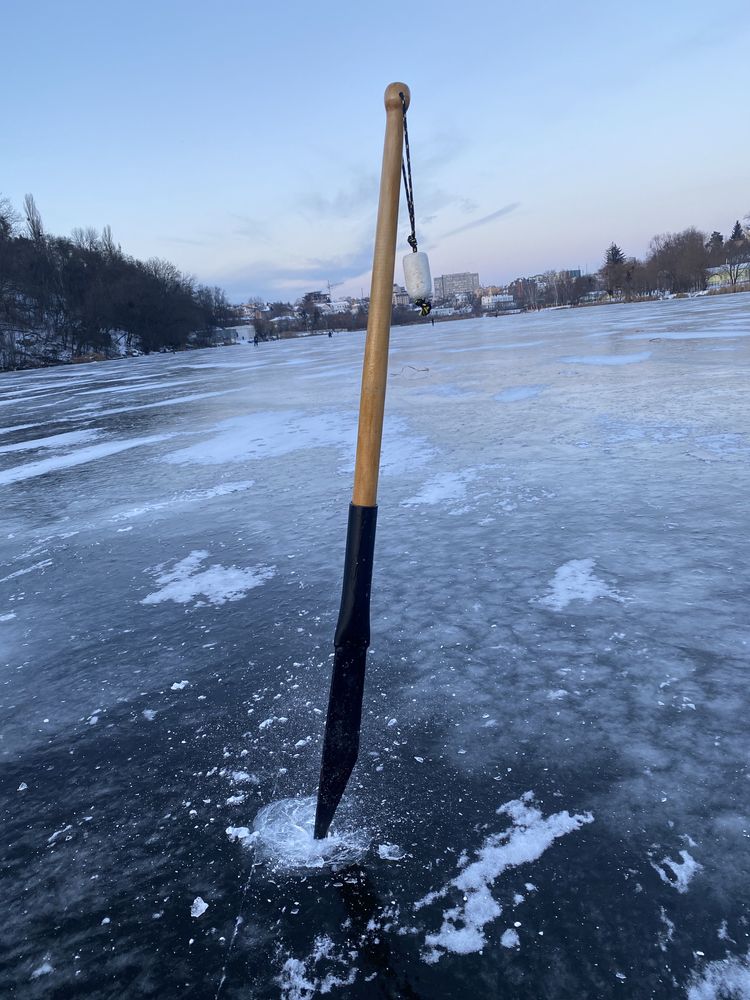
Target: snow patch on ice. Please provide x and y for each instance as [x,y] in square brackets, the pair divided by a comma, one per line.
[510,939]
[666,936]
[43,970]
[525,840]
[189,496]
[267,723]
[243,778]
[608,359]
[242,835]
[402,451]
[29,569]
[194,397]
[266,435]
[715,334]
[724,979]
[74,458]
[300,979]
[442,489]
[575,581]
[199,907]
[515,393]
[723,932]
[218,584]
[682,872]
[16,427]
[53,441]
[286,842]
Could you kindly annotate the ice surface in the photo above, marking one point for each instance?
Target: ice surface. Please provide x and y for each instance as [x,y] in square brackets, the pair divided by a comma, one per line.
[74,458]
[266,435]
[42,564]
[187,497]
[608,359]
[516,393]
[64,440]
[559,603]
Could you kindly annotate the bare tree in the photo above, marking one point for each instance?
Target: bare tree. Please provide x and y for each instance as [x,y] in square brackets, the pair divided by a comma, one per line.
[86,239]
[107,243]
[33,219]
[737,259]
[9,219]
[526,292]
[679,260]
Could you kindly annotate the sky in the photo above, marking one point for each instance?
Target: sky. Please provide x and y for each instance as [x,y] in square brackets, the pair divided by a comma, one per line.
[243,141]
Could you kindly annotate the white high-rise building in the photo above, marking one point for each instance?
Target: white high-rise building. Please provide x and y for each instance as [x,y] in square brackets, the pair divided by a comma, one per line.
[448,285]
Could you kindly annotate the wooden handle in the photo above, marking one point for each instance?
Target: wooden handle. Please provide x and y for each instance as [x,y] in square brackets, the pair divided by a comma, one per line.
[375,366]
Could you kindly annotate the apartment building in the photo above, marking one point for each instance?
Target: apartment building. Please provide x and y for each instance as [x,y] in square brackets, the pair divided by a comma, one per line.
[448,285]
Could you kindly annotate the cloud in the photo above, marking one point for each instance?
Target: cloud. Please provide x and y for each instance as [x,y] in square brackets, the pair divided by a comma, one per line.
[183,240]
[485,219]
[268,278]
[247,225]
[440,149]
[358,195]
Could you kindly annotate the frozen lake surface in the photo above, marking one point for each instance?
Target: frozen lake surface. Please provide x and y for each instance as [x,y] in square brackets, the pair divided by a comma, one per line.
[552,796]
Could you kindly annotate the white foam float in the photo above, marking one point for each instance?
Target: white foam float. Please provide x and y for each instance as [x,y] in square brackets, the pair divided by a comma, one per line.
[417,276]
[285,838]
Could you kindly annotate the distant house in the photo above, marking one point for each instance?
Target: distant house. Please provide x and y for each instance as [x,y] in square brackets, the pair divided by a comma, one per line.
[719,277]
[335,308]
[498,303]
[400,296]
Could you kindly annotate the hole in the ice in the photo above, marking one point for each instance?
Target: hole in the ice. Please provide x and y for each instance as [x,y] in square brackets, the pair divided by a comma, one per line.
[286,842]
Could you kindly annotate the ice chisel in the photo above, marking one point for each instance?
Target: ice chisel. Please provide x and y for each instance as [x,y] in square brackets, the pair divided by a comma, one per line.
[341,740]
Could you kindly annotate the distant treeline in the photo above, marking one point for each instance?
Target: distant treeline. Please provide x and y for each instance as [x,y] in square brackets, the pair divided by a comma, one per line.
[676,263]
[61,297]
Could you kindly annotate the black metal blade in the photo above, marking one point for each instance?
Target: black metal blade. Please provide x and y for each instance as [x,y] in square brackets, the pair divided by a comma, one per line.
[341,741]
